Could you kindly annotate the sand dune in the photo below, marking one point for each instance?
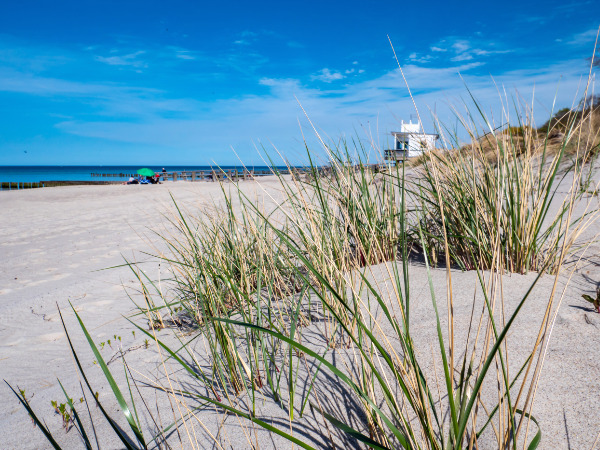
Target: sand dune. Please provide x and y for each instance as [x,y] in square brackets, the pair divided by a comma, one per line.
[55,242]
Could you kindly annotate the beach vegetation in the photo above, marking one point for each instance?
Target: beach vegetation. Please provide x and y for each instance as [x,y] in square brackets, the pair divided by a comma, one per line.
[304,302]
[594,301]
[494,213]
[62,410]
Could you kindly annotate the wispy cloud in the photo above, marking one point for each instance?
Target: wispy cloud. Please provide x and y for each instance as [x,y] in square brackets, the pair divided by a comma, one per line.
[327,76]
[121,113]
[460,49]
[467,50]
[246,38]
[275,116]
[461,46]
[129,59]
[418,58]
[184,54]
[585,37]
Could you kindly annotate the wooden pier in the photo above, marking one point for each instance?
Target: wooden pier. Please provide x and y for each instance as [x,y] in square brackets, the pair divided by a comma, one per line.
[199,175]
[187,175]
[233,174]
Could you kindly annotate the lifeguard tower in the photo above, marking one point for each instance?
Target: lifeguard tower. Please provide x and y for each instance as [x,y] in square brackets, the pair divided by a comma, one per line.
[409,142]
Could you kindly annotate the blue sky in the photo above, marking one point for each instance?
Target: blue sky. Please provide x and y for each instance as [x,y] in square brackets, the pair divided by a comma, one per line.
[131,82]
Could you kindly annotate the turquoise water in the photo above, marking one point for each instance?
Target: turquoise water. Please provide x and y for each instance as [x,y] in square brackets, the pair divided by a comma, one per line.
[84,173]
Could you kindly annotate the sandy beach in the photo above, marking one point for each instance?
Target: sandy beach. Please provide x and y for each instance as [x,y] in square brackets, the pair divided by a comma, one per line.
[56,241]
[370,226]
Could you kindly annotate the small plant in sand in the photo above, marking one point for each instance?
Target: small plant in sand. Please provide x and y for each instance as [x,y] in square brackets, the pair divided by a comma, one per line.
[64,412]
[594,301]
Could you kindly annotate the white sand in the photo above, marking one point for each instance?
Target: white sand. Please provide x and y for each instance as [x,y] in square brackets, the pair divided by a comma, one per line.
[55,240]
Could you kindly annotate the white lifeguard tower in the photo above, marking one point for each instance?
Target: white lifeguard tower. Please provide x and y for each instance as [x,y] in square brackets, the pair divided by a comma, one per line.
[410,141]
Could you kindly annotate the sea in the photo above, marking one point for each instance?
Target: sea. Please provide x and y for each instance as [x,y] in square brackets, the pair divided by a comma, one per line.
[35,174]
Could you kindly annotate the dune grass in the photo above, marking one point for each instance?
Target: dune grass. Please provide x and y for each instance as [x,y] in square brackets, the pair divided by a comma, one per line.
[257,280]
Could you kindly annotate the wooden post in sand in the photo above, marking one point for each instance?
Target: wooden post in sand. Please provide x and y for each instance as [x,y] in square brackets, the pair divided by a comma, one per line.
[174,176]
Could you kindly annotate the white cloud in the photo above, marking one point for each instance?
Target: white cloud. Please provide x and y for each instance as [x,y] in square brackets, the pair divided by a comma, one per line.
[130,59]
[274,116]
[278,84]
[423,59]
[462,57]
[586,37]
[184,54]
[247,37]
[465,50]
[327,76]
[135,119]
[480,52]
[460,46]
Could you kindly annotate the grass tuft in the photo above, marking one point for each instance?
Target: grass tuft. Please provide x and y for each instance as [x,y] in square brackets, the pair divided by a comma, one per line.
[288,295]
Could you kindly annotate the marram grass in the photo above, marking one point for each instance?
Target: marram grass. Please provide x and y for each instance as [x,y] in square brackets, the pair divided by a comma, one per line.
[259,283]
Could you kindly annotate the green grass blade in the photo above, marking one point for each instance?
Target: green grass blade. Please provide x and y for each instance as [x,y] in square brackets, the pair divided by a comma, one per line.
[112,382]
[538,436]
[81,429]
[41,426]
[403,439]
[122,436]
[349,430]
[257,421]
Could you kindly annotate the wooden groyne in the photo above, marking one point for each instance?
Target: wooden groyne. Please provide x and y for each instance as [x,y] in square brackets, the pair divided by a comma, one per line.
[17,185]
[14,185]
[54,183]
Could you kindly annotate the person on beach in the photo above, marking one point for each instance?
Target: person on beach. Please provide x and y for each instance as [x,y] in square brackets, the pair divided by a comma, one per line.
[153,179]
